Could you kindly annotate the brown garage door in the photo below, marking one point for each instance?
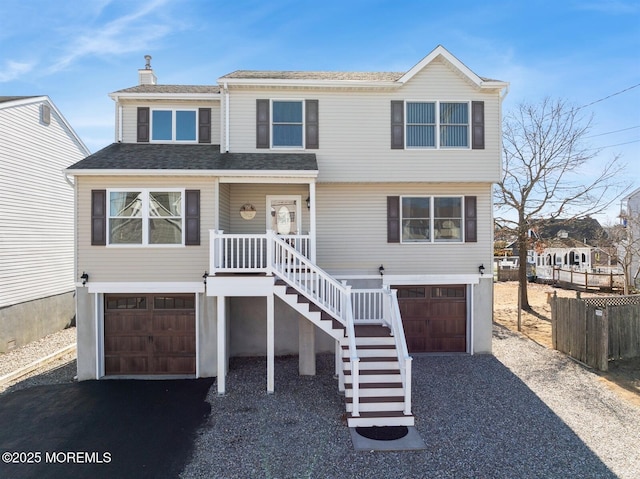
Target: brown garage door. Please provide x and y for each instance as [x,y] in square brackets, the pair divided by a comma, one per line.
[434,317]
[149,334]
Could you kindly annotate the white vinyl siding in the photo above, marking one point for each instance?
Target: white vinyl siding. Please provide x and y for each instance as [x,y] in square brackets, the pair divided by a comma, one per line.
[352,231]
[137,264]
[130,118]
[36,230]
[355,135]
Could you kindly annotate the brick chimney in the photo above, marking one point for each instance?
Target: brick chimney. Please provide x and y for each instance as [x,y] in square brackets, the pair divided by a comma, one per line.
[146,75]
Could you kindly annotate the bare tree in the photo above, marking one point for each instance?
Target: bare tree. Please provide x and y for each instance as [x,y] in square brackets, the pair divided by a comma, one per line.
[548,172]
[626,238]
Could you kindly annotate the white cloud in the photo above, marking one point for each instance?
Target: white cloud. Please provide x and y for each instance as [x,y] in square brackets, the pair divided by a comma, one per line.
[130,32]
[12,70]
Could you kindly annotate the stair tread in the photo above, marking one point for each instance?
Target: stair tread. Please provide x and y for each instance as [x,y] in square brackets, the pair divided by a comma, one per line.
[372,346]
[373,359]
[378,414]
[377,399]
[375,386]
[371,330]
[374,371]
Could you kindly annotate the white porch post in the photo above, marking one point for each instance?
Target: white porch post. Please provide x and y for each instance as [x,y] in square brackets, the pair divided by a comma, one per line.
[221,347]
[270,343]
[306,347]
[312,221]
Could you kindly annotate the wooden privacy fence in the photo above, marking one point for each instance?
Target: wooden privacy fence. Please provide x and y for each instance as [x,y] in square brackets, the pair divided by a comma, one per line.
[596,330]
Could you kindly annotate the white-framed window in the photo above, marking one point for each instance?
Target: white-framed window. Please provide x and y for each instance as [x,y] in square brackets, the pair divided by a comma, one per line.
[146,217]
[174,125]
[431,219]
[287,124]
[437,124]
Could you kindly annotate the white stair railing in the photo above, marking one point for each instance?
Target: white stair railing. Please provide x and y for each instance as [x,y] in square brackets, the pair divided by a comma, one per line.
[316,285]
[404,360]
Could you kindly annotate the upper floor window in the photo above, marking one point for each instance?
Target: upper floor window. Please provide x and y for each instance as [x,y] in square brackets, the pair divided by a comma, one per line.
[145,217]
[454,125]
[174,125]
[450,119]
[437,124]
[287,124]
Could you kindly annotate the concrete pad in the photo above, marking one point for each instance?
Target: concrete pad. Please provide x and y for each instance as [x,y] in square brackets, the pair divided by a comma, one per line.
[411,442]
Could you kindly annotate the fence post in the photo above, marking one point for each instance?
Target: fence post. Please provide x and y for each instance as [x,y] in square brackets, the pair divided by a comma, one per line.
[554,320]
[602,360]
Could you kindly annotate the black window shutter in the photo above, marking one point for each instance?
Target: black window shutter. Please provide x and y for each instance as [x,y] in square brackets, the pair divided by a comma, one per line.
[204,125]
[143,124]
[477,125]
[98,217]
[470,219]
[262,124]
[192,217]
[397,125]
[393,219]
[311,125]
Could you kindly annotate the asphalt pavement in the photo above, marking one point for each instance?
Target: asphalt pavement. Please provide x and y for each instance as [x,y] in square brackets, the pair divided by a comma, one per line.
[101,429]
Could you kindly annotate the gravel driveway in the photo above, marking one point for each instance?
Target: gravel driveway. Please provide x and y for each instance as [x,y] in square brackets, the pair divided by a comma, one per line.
[524,412]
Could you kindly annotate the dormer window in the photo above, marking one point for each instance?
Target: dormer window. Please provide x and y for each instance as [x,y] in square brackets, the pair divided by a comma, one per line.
[174,125]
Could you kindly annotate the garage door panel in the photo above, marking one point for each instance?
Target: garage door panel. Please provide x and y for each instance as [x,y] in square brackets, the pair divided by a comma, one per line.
[145,334]
[124,344]
[175,365]
[434,317]
[448,327]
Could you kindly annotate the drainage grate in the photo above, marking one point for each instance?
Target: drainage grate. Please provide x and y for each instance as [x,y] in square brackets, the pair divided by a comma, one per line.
[383,433]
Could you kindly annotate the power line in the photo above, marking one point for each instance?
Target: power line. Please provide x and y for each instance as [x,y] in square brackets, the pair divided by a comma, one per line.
[612,132]
[609,96]
[611,146]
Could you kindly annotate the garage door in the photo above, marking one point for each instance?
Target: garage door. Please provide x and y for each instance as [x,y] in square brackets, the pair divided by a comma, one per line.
[434,317]
[149,334]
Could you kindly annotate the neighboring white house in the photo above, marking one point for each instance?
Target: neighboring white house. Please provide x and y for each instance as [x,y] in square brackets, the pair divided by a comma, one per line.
[292,213]
[36,224]
[630,216]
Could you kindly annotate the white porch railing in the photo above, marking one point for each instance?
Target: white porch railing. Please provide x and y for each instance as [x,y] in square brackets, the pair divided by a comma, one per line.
[247,253]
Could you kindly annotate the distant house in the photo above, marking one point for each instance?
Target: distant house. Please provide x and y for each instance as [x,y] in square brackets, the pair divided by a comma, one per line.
[292,213]
[630,216]
[36,224]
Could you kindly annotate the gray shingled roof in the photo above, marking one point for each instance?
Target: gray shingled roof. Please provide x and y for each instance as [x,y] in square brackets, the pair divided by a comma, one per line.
[172,89]
[4,99]
[136,156]
[302,75]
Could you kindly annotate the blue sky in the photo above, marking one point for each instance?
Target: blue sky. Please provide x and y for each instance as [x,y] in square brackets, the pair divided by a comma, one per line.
[78,51]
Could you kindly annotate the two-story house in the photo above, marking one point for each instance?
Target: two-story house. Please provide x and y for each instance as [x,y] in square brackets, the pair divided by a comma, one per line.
[288,212]
[37,277]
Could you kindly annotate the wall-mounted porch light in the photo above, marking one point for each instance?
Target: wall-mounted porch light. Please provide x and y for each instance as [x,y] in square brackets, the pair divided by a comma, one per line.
[308,202]
[481,269]
[381,270]
[84,278]
[205,276]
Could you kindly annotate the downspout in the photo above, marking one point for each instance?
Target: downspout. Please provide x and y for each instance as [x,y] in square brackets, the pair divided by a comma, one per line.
[226,118]
[119,139]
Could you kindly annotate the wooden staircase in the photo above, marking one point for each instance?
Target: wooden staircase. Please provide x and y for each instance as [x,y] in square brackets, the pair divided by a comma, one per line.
[381,392]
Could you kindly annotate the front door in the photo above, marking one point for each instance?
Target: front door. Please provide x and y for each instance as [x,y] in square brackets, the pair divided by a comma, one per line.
[283,214]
